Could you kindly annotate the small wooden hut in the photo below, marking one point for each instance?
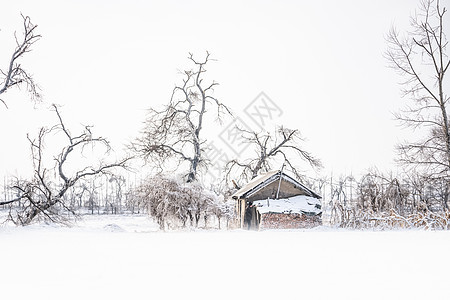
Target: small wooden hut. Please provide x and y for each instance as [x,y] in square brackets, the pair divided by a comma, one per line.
[276,200]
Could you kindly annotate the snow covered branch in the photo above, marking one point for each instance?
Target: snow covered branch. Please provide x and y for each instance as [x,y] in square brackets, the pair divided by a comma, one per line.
[421,58]
[175,131]
[174,203]
[284,143]
[44,196]
[15,75]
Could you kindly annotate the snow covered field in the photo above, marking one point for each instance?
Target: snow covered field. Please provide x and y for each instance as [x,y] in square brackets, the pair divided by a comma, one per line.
[125,257]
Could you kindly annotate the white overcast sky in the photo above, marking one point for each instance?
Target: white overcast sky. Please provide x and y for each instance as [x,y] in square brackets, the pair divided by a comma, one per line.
[106,62]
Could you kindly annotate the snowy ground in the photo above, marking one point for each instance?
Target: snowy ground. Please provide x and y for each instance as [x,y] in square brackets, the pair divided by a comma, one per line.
[124,257]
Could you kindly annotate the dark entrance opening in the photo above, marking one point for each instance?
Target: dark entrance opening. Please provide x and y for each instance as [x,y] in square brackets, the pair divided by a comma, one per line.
[252,217]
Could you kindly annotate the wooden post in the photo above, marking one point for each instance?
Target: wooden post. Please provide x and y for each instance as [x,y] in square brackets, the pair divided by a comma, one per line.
[279,183]
[241,212]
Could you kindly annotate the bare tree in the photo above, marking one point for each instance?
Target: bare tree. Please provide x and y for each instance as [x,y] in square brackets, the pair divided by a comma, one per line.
[41,195]
[421,58]
[285,143]
[223,209]
[175,131]
[173,203]
[115,196]
[93,199]
[15,75]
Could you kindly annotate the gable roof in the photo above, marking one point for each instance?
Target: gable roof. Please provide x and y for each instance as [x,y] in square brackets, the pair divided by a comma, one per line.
[263,180]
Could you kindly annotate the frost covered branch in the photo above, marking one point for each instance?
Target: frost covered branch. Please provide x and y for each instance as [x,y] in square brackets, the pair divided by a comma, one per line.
[43,195]
[15,75]
[285,143]
[175,131]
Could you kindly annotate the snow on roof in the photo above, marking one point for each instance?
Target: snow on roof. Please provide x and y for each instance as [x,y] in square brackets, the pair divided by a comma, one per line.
[265,179]
[298,204]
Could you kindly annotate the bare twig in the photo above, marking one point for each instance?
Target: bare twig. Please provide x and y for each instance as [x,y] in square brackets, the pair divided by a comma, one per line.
[15,74]
[285,143]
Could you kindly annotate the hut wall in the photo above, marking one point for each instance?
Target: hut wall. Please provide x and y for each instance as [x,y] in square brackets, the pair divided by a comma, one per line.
[289,221]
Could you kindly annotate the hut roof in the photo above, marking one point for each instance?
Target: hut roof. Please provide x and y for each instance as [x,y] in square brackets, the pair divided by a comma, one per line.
[261,181]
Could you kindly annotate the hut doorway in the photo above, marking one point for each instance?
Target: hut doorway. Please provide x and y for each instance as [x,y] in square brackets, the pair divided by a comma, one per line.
[252,217]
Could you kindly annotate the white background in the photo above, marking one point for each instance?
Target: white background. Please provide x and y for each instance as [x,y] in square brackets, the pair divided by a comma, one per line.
[106,62]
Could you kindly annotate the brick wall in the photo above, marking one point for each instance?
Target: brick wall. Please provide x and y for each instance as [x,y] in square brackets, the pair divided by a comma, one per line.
[289,221]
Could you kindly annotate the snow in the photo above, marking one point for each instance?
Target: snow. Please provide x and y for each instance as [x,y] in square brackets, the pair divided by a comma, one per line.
[125,257]
[297,204]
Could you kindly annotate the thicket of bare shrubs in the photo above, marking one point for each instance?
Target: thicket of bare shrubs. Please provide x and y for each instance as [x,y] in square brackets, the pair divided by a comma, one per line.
[177,204]
[384,202]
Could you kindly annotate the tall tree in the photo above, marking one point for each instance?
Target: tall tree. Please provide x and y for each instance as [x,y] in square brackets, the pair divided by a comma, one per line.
[420,57]
[15,75]
[284,143]
[175,131]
